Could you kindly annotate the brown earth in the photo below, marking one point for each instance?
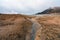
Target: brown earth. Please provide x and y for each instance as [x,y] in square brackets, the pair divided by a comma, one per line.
[24,27]
[14,27]
[50,28]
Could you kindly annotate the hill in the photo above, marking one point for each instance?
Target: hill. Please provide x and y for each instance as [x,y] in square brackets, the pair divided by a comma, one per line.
[29,27]
[53,10]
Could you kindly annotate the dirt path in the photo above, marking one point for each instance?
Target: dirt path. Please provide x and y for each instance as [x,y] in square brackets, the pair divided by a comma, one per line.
[35,27]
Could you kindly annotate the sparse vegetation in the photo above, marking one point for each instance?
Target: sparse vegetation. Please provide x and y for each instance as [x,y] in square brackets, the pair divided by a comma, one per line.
[18,27]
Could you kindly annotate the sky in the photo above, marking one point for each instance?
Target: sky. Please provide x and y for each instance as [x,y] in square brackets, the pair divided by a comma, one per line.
[26,6]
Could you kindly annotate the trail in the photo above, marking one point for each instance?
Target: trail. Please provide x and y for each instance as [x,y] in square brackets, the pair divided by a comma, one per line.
[35,27]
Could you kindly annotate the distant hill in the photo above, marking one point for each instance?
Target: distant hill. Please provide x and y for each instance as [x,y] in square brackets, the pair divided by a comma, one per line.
[50,10]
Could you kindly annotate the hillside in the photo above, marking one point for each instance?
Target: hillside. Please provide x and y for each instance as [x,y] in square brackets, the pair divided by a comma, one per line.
[50,28]
[29,27]
[52,10]
[14,27]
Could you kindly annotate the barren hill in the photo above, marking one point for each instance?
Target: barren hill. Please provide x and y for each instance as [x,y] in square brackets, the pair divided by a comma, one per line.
[53,10]
[24,27]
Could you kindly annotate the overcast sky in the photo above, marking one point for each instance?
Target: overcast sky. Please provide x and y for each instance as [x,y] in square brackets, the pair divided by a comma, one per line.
[26,6]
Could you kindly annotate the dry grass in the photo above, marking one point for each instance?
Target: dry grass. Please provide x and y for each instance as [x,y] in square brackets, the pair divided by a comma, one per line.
[18,27]
[14,27]
[50,28]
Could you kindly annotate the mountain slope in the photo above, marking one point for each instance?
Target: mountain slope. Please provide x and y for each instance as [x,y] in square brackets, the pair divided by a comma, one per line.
[53,10]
